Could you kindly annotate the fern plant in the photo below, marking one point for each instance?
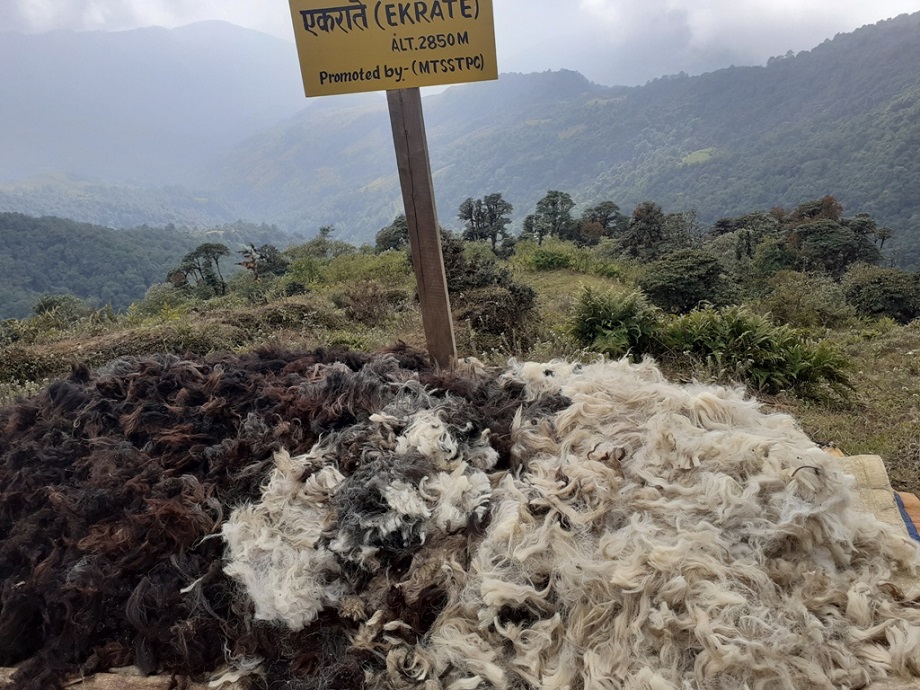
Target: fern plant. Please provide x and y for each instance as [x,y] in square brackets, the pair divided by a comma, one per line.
[615,322]
[736,343]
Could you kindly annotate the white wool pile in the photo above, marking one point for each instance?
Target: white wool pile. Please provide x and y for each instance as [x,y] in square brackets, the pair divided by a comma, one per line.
[650,536]
[277,542]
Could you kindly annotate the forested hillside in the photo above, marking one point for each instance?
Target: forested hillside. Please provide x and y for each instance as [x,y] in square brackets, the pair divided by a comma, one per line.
[842,119]
[116,205]
[45,256]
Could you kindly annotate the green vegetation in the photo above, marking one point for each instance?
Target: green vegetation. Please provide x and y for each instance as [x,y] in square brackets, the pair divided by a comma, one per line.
[843,118]
[102,266]
[682,280]
[736,344]
[774,301]
[616,322]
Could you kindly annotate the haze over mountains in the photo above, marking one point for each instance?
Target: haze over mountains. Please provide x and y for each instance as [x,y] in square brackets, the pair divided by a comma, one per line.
[207,124]
[147,106]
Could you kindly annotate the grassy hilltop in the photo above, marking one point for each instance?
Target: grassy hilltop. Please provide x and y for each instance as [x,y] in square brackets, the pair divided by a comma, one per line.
[806,342]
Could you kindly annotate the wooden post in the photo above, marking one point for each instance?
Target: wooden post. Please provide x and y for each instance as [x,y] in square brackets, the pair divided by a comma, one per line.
[424,233]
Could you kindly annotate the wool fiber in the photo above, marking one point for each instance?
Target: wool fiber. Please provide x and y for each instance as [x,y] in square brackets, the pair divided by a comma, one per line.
[333,520]
[648,535]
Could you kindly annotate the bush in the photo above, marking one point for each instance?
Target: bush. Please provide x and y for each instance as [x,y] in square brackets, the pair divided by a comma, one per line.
[739,344]
[549,260]
[65,309]
[807,301]
[370,302]
[680,281]
[875,292]
[389,267]
[161,299]
[552,255]
[615,322]
[497,316]
[306,271]
[483,294]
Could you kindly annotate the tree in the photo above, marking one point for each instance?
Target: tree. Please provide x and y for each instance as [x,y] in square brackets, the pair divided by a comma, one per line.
[394,236]
[486,219]
[202,265]
[832,246]
[645,231]
[601,220]
[683,230]
[882,234]
[529,230]
[321,247]
[825,208]
[553,217]
[264,260]
[875,291]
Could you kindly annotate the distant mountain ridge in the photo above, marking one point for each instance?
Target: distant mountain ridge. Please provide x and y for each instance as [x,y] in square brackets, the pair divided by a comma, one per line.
[841,119]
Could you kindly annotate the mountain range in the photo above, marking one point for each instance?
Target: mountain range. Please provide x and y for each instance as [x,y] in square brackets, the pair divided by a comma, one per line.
[207,124]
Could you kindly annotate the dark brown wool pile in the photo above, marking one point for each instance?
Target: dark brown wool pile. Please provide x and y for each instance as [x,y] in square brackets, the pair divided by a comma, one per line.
[112,482]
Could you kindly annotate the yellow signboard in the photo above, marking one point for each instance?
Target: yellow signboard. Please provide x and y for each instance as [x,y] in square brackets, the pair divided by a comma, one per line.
[347,46]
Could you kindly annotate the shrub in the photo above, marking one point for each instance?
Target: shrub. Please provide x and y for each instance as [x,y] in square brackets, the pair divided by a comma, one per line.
[64,309]
[875,291]
[306,270]
[552,255]
[615,322]
[549,260]
[494,315]
[11,391]
[23,364]
[370,302]
[683,279]
[484,295]
[11,331]
[390,267]
[807,301]
[160,299]
[608,269]
[736,343]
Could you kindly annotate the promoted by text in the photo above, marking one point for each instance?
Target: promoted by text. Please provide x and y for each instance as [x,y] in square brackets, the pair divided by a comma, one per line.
[346,46]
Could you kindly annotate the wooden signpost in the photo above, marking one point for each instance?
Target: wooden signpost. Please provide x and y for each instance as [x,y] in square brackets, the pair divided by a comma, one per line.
[348,46]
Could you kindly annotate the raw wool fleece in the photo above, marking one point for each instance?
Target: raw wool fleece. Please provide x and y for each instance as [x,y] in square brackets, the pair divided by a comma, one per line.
[646,535]
[115,483]
[316,536]
[110,480]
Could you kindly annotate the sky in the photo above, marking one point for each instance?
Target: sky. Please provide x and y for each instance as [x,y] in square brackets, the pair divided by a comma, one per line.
[611,42]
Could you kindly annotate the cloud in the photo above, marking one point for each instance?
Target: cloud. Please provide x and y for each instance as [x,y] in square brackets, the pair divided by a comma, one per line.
[701,35]
[81,15]
[610,41]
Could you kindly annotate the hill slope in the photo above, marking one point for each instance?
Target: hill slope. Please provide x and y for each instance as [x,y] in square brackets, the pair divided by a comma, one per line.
[842,119]
[50,255]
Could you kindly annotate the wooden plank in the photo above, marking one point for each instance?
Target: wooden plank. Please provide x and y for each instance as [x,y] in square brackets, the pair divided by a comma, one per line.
[912,507]
[118,681]
[111,681]
[411,145]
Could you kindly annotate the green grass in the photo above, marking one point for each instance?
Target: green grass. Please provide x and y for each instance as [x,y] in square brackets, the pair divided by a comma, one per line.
[700,156]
